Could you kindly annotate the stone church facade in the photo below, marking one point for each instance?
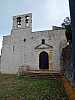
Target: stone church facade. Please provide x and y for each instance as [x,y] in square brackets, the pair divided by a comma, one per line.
[33,50]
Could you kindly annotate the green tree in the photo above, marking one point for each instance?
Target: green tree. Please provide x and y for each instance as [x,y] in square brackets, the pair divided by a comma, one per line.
[68,32]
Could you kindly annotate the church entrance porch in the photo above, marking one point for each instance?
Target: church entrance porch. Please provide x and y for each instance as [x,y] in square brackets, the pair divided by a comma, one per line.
[44,57]
[43,60]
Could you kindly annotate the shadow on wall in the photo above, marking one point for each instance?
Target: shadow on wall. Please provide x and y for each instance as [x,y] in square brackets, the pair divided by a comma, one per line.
[67,61]
[0,62]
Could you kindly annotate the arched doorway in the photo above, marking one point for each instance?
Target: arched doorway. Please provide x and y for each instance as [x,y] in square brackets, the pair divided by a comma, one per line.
[43,60]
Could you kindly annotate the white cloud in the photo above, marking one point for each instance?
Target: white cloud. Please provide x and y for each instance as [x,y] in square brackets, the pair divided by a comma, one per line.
[47,13]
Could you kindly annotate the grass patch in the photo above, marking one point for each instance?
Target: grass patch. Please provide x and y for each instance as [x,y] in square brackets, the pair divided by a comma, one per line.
[14,87]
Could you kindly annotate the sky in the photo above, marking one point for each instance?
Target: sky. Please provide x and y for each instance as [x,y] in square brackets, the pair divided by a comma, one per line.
[45,13]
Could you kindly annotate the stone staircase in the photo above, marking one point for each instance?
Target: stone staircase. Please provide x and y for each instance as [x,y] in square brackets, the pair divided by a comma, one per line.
[42,74]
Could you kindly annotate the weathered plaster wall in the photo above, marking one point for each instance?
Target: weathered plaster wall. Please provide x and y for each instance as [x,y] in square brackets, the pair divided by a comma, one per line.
[19,47]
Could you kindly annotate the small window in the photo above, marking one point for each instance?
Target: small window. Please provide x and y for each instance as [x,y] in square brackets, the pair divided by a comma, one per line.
[26,19]
[24,40]
[13,48]
[1,51]
[19,21]
[43,41]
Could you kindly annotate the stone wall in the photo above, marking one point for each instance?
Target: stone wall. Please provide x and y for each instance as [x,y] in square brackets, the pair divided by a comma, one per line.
[19,48]
[67,62]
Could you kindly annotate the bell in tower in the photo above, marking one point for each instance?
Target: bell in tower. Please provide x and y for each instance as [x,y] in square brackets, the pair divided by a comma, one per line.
[22,21]
[19,22]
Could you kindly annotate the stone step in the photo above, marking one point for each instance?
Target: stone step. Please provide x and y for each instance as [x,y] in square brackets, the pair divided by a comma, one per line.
[42,75]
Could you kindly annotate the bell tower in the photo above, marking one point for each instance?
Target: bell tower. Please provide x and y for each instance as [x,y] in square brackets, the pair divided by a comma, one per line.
[22,21]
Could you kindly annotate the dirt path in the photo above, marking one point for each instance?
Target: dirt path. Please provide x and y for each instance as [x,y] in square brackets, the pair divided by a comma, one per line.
[69,89]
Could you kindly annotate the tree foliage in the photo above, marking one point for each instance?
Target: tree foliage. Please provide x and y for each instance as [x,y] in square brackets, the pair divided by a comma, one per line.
[67,25]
